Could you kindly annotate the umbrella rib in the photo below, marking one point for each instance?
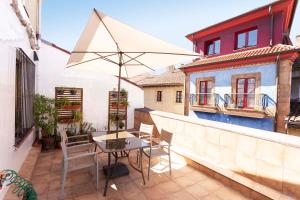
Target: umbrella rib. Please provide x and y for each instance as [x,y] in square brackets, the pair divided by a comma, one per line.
[83,62]
[106,59]
[133,58]
[150,52]
[138,62]
[107,29]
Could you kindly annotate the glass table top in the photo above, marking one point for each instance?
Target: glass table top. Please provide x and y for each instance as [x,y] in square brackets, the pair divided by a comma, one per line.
[108,142]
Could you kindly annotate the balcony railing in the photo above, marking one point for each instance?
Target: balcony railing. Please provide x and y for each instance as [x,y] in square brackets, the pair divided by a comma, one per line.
[248,101]
[204,99]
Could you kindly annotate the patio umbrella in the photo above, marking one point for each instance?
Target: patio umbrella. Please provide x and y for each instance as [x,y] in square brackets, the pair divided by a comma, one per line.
[109,46]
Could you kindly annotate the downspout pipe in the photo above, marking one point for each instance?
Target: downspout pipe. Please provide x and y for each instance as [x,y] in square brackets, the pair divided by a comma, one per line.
[277,91]
[271,24]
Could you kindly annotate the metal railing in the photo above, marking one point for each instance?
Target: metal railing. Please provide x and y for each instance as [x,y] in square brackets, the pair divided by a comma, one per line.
[205,99]
[248,100]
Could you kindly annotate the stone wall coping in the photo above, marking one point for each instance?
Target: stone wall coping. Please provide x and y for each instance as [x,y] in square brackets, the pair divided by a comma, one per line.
[280,138]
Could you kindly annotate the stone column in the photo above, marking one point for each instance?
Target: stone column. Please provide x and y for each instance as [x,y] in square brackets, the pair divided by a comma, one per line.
[186,94]
[284,93]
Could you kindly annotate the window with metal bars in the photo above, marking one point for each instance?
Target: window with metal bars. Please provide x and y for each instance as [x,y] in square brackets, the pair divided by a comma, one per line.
[24,98]
[178,96]
[158,96]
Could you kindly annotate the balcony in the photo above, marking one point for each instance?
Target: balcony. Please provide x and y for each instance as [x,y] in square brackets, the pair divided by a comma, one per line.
[205,102]
[249,105]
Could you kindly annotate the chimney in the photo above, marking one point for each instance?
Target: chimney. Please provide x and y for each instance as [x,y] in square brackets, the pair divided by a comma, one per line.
[298,40]
[171,68]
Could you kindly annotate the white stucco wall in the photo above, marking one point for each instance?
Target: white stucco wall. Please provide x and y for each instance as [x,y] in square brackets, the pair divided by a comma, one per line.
[13,35]
[52,73]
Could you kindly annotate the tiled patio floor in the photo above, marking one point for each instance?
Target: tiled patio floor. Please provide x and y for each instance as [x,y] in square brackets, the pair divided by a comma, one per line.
[185,183]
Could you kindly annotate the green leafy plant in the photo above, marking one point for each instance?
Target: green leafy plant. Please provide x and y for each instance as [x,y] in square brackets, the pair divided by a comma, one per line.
[121,124]
[123,92]
[73,91]
[45,114]
[75,103]
[124,102]
[62,102]
[86,128]
[76,115]
[60,90]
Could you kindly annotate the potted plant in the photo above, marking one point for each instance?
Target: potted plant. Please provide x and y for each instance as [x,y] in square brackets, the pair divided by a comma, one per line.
[45,117]
[60,90]
[124,103]
[75,105]
[73,91]
[76,116]
[123,92]
[121,124]
[86,128]
[62,102]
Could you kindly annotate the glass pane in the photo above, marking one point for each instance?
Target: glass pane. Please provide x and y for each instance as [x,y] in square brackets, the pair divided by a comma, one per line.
[241,40]
[202,87]
[251,100]
[210,49]
[209,86]
[252,38]
[217,46]
[240,86]
[240,100]
[251,85]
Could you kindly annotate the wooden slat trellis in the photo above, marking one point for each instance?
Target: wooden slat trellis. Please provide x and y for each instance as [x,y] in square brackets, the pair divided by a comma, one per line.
[74,96]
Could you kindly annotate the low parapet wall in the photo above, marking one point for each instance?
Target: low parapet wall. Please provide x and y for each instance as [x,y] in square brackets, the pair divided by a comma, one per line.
[266,162]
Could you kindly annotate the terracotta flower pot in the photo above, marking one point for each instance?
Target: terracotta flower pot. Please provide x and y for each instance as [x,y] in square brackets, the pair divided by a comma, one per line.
[48,142]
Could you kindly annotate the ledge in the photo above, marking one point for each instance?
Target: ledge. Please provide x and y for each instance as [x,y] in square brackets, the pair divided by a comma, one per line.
[207,109]
[279,138]
[245,113]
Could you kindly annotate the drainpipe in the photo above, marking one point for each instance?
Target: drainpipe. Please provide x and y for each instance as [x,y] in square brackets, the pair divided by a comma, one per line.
[271,24]
[277,91]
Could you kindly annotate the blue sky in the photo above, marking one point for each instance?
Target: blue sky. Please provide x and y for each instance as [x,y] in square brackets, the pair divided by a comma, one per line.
[170,20]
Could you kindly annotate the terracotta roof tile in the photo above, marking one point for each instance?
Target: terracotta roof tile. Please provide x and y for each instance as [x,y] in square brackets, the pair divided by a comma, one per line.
[242,55]
[173,78]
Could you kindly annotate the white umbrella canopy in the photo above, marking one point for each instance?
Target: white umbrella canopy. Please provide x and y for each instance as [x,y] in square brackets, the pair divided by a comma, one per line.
[111,47]
[105,44]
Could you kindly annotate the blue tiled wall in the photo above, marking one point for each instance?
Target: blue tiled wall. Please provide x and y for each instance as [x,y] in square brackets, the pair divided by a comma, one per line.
[264,124]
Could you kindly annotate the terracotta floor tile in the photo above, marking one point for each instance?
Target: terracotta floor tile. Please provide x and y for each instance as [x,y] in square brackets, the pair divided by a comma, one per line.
[87,197]
[197,191]
[227,193]
[210,184]
[169,187]
[154,193]
[181,195]
[185,183]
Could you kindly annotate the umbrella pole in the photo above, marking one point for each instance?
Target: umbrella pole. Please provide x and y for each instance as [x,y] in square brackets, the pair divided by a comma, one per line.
[119,88]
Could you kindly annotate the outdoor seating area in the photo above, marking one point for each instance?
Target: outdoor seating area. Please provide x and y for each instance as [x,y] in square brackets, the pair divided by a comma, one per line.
[122,109]
[184,183]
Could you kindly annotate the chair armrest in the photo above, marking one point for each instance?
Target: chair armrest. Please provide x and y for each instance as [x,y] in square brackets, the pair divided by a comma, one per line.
[78,136]
[79,146]
[77,143]
[82,155]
